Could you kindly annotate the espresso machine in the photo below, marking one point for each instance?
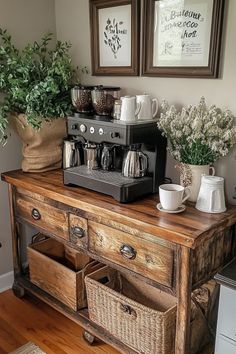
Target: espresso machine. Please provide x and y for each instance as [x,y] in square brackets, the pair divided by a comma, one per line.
[125,160]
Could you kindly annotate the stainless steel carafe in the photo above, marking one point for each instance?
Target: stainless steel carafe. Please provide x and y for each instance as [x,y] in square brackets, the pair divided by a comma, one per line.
[135,163]
[92,152]
[71,154]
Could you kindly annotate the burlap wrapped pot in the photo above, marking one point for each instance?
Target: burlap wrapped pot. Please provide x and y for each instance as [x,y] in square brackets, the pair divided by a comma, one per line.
[42,149]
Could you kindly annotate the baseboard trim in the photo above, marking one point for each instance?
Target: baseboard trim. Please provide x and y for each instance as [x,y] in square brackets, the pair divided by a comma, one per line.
[6,281]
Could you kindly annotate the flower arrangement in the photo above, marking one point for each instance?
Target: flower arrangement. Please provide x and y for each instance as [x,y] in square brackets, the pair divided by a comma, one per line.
[198,135]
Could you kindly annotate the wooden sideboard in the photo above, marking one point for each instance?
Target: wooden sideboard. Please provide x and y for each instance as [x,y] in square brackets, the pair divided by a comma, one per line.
[174,252]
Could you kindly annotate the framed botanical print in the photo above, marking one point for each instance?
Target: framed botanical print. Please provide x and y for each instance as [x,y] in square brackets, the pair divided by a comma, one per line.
[114,28]
[182,38]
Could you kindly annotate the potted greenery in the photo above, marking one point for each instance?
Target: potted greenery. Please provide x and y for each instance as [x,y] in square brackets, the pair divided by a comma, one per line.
[198,136]
[35,83]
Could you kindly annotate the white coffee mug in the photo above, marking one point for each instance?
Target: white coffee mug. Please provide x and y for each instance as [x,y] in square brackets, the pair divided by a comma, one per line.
[172,196]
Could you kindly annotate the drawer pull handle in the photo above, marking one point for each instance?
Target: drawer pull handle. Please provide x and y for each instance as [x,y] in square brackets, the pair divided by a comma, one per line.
[128,252]
[128,309]
[77,232]
[35,214]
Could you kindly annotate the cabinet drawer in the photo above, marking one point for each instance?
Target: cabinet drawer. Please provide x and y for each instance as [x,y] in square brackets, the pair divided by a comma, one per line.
[43,215]
[152,260]
[78,231]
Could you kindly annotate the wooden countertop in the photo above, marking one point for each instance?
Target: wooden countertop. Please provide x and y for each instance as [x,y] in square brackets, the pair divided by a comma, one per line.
[187,228]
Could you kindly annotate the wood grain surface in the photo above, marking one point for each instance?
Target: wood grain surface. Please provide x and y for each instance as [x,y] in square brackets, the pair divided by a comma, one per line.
[188,228]
[212,254]
[152,260]
[184,286]
[51,219]
[54,278]
[29,319]
[76,238]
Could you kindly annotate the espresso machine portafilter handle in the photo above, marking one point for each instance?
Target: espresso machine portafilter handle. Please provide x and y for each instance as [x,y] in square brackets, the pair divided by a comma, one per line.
[143,163]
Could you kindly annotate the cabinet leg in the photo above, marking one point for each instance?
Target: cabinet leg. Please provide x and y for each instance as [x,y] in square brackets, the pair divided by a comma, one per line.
[88,337]
[15,233]
[184,287]
[18,290]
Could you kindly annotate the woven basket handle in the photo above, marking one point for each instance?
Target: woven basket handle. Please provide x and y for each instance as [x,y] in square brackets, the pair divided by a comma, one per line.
[92,266]
[101,274]
[38,237]
[128,310]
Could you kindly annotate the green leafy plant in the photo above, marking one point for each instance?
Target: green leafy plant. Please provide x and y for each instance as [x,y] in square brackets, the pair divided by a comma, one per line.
[34,81]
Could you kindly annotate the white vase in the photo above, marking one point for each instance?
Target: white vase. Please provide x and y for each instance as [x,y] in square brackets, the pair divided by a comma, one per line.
[190,176]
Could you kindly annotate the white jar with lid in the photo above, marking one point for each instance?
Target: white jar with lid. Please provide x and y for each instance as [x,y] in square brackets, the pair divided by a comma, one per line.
[211,198]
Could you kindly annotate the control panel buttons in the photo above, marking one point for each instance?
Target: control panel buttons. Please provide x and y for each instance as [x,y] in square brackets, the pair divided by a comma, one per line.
[114,135]
[101,131]
[74,126]
[83,128]
[92,130]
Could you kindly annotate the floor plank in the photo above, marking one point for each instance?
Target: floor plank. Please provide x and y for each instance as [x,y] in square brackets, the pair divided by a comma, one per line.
[9,338]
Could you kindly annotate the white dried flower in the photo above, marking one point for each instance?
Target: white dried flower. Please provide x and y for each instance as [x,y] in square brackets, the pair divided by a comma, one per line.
[198,135]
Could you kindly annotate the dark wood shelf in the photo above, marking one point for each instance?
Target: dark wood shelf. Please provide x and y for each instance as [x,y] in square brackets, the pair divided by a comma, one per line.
[80,317]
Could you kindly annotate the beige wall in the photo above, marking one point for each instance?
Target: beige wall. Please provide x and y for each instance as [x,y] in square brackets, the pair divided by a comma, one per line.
[72,22]
[26,20]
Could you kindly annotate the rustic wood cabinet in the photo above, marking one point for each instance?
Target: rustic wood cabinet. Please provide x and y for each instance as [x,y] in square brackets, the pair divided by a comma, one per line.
[174,252]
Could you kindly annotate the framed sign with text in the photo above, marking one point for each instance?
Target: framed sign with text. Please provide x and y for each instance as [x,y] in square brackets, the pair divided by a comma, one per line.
[182,38]
[114,28]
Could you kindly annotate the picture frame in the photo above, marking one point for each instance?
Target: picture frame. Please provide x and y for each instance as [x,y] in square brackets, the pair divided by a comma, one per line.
[114,28]
[182,38]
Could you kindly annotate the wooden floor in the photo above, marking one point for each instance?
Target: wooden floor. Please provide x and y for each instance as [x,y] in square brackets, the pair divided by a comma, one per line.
[24,320]
[29,319]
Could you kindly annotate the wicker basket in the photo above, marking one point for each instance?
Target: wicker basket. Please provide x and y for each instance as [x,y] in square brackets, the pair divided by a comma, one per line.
[60,270]
[143,317]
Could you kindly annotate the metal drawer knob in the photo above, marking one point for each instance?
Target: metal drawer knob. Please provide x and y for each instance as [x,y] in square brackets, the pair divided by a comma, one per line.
[76,232]
[128,252]
[35,214]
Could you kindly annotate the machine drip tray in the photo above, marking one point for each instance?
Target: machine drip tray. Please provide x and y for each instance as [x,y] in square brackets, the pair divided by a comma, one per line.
[109,182]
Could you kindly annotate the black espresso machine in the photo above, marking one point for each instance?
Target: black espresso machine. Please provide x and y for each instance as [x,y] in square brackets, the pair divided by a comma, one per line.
[108,134]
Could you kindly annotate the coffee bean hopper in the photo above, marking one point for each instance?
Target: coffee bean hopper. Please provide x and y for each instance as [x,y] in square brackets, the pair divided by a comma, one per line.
[96,100]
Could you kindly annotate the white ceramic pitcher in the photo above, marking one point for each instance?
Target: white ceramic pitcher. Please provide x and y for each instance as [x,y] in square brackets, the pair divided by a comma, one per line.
[129,109]
[149,107]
